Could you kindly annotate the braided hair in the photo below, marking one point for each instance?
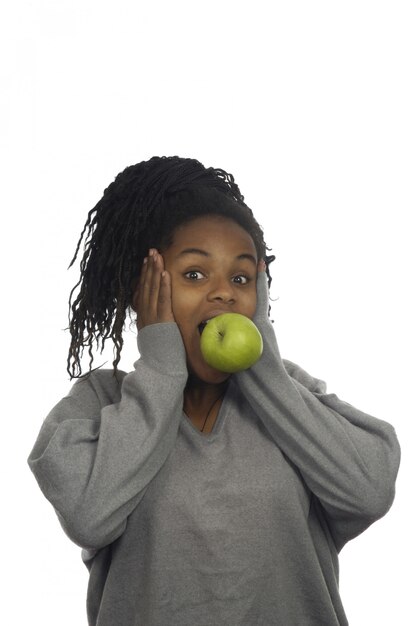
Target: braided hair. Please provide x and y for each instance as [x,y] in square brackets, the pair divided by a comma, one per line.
[139,210]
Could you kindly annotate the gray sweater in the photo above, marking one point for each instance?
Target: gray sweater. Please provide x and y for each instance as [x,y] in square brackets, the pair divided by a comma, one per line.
[240,527]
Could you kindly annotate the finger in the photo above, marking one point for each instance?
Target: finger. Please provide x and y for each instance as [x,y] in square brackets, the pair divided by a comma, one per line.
[154,285]
[143,271]
[261,266]
[138,294]
[165,312]
[137,286]
[146,281]
[141,278]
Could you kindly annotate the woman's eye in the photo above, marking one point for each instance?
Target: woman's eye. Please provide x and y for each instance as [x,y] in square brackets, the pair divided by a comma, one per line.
[240,280]
[194,275]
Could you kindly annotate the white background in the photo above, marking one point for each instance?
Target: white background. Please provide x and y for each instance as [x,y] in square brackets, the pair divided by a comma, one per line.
[311,105]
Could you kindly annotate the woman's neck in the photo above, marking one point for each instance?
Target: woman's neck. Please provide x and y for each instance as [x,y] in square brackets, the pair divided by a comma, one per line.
[202,402]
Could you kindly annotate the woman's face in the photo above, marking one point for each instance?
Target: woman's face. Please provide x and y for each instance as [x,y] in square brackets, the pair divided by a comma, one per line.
[213,266]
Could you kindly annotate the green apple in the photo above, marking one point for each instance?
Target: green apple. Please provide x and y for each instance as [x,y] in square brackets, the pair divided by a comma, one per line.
[231,342]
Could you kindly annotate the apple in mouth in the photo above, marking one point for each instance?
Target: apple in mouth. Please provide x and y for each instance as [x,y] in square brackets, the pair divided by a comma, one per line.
[230,342]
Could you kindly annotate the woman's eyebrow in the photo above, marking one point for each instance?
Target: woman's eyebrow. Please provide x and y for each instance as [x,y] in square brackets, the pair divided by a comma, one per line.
[193,251]
[240,257]
[249,257]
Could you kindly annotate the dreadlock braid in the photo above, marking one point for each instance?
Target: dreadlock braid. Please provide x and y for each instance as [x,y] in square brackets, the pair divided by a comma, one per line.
[139,210]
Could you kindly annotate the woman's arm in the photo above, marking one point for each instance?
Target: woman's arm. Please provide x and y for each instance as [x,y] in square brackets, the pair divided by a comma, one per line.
[347,458]
[96,454]
[101,446]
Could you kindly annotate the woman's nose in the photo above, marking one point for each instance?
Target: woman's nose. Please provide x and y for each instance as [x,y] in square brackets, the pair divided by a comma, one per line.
[222,291]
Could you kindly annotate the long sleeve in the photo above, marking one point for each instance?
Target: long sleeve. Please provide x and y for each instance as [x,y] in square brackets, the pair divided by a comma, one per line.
[100,446]
[348,459]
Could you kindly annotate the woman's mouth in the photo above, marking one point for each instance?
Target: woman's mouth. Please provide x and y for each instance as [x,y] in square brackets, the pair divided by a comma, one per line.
[201,326]
[210,316]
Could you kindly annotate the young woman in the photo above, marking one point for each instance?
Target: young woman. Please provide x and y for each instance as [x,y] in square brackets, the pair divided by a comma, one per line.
[200,498]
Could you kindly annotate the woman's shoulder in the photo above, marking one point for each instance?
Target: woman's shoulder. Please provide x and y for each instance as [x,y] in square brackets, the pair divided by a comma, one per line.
[103,383]
[295,371]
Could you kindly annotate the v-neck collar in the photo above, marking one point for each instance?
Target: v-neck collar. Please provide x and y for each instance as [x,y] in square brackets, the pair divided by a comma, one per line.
[218,422]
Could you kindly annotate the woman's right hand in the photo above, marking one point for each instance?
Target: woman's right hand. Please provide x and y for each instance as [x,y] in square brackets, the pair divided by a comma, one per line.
[153,297]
